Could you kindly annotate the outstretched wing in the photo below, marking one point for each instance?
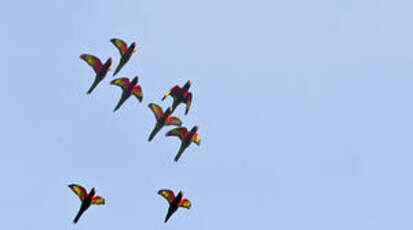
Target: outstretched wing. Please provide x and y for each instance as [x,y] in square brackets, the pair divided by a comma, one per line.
[188,102]
[171,120]
[122,82]
[93,61]
[121,45]
[79,191]
[196,139]
[170,91]
[185,203]
[179,132]
[98,200]
[167,194]
[137,91]
[157,110]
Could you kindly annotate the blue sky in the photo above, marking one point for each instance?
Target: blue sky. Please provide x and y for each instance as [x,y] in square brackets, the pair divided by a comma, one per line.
[304,109]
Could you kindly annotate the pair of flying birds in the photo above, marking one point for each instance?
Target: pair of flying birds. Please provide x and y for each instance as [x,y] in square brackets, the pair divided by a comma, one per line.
[89,199]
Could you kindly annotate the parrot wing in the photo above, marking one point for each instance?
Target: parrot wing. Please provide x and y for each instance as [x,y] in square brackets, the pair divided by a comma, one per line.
[185,203]
[157,110]
[98,200]
[121,82]
[137,91]
[188,102]
[79,191]
[93,61]
[171,120]
[121,45]
[167,194]
[179,132]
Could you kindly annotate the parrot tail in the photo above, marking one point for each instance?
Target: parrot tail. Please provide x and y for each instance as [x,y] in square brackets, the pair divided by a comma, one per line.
[78,216]
[181,150]
[154,132]
[93,86]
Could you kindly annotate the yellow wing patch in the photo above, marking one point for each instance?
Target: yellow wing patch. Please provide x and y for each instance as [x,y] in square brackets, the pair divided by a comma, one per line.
[98,200]
[122,82]
[167,194]
[93,61]
[79,191]
[121,45]
[157,110]
[185,203]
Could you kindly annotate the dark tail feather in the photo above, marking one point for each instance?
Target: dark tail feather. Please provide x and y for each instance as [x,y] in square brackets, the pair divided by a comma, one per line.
[181,150]
[154,132]
[78,216]
[93,86]
[167,217]
[118,68]
[119,104]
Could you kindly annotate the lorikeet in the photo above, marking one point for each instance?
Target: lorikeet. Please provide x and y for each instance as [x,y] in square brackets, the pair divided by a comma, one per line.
[186,138]
[162,119]
[125,52]
[128,88]
[180,95]
[100,69]
[174,202]
[86,199]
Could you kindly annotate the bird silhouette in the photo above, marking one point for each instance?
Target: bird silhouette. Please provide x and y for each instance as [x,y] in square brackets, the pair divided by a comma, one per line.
[180,95]
[86,199]
[125,52]
[187,137]
[174,202]
[128,88]
[100,69]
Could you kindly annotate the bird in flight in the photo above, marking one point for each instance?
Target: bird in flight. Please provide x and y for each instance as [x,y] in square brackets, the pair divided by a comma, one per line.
[86,199]
[187,137]
[162,119]
[128,88]
[180,95]
[174,202]
[125,52]
[100,69]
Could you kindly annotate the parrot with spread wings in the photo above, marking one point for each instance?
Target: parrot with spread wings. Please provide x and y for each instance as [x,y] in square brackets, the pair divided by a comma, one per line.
[128,88]
[162,119]
[187,137]
[125,52]
[86,199]
[180,95]
[174,202]
[100,69]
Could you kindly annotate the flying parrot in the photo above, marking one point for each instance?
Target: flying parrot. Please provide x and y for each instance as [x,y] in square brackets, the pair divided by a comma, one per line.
[125,52]
[180,95]
[128,88]
[100,69]
[162,119]
[86,199]
[186,138]
[174,202]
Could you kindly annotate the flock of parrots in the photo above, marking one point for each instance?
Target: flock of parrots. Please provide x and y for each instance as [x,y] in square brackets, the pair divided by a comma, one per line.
[163,118]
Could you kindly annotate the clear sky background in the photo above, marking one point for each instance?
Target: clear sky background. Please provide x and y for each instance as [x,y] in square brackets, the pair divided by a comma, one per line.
[304,108]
